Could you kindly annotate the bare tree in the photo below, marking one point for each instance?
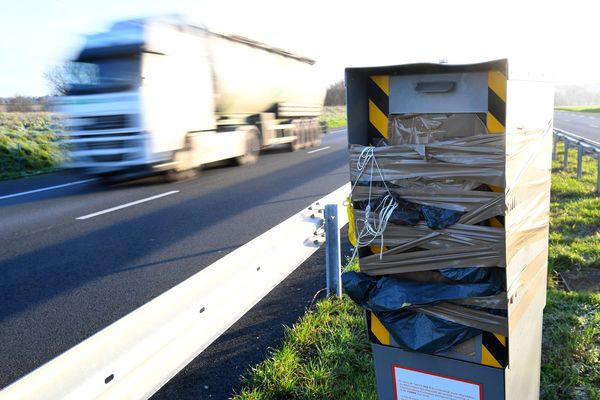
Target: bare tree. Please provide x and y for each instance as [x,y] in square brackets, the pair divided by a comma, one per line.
[336,94]
[62,76]
[20,104]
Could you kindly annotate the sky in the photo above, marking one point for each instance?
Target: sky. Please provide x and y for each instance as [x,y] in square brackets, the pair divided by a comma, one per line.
[556,37]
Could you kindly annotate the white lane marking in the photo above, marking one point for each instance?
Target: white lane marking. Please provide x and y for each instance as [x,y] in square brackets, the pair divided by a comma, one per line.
[8,196]
[133,203]
[322,148]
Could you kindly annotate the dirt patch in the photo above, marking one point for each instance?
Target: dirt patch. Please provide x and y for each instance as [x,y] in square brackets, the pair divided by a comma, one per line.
[582,280]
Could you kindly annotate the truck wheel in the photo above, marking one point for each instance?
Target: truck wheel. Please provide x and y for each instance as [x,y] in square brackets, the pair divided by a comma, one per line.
[303,135]
[317,134]
[184,164]
[295,145]
[252,149]
[312,135]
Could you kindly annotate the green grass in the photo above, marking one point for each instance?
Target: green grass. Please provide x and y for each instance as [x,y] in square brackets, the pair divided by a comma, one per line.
[334,117]
[28,144]
[326,354]
[574,215]
[571,346]
[590,109]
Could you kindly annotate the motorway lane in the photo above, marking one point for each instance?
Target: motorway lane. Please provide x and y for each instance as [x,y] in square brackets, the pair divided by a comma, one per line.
[64,279]
[586,125]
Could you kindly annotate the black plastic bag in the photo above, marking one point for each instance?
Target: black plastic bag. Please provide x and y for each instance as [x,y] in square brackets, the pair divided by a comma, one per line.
[440,218]
[406,213]
[391,300]
[392,294]
[465,275]
[419,332]
[409,213]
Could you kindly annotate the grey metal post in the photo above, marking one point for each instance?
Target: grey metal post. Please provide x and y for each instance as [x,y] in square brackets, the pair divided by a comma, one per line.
[579,161]
[566,155]
[554,140]
[332,251]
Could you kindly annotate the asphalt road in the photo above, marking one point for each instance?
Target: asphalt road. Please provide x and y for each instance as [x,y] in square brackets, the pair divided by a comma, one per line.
[76,256]
[586,125]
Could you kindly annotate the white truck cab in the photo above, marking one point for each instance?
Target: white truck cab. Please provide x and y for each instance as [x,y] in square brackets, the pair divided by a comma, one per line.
[159,94]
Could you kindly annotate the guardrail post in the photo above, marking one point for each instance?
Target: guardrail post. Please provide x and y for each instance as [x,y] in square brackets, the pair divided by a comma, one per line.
[566,155]
[332,251]
[554,140]
[579,161]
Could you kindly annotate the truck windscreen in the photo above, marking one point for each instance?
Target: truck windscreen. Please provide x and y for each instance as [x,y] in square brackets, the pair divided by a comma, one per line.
[105,74]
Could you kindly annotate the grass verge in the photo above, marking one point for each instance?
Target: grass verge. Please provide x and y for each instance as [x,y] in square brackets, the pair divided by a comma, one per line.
[571,346]
[29,144]
[574,215]
[326,355]
[334,117]
[589,109]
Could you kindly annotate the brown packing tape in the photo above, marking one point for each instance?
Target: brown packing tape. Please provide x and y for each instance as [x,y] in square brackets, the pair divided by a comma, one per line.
[467,316]
[420,235]
[469,245]
[498,301]
[428,128]
[478,158]
[523,149]
[459,200]
[531,281]
[457,257]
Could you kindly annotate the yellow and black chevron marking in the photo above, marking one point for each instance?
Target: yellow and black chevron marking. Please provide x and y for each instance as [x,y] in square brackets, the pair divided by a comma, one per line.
[493,350]
[377,332]
[378,91]
[496,118]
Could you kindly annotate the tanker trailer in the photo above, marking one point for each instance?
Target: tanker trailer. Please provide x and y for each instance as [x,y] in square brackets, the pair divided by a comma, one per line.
[162,95]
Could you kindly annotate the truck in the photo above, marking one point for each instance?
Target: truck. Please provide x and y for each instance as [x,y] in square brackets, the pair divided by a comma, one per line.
[163,95]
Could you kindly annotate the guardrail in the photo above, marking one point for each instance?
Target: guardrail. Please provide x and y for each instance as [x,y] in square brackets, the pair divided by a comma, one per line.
[135,356]
[584,147]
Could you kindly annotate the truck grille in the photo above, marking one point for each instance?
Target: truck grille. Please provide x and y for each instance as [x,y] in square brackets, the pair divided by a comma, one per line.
[104,135]
[114,144]
[108,158]
[105,122]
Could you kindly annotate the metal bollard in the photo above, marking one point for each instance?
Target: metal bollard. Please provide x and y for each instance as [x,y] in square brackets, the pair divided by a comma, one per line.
[579,161]
[332,251]
[566,155]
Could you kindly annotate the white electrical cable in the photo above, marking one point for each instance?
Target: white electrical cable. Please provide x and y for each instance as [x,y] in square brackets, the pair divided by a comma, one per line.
[369,233]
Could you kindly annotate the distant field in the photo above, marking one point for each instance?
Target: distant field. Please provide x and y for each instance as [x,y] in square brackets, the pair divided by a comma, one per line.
[334,116]
[29,144]
[590,109]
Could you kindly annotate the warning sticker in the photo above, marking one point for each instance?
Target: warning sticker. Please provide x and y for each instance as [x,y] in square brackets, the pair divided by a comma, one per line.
[410,384]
